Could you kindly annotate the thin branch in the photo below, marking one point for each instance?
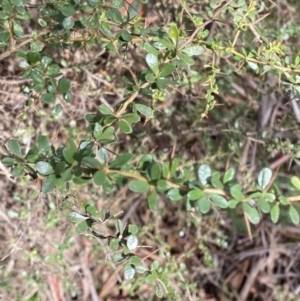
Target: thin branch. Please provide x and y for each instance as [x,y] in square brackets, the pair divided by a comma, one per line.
[8,52]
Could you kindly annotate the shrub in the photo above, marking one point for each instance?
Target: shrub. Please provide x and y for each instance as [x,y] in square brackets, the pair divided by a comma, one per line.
[203,56]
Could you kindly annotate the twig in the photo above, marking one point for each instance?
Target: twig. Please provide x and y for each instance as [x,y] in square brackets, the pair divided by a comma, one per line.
[19,46]
[216,14]
[132,97]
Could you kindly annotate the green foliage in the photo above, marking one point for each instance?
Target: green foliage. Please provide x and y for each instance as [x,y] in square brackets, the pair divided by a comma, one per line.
[168,54]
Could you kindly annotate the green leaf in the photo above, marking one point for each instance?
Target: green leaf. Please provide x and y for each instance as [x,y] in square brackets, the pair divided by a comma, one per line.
[119,225]
[185,58]
[252,65]
[92,210]
[9,161]
[22,64]
[124,126]
[264,205]
[195,194]
[107,133]
[167,70]
[150,49]
[82,227]
[133,229]
[115,15]
[264,177]
[152,62]
[162,185]
[68,10]
[151,278]
[105,110]
[174,34]
[49,184]
[68,23]
[17,28]
[52,69]
[33,57]
[43,143]
[236,192]
[119,257]
[131,117]
[48,97]
[145,110]
[6,6]
[67,175]
[17,171]
[294,215]
[44,168]
[133,9]
[126,36]
[193,50]
[160,289]
[108,186]
[139,186]
[15,148]
[274,213]
[204,173]
[215,180]
[46,60]
[132,242]
[97,131]
[68,97]
[219,200]
[135,260]
[150,78]
[161,83]
[141,269]
[251,213]
[91,162]
[103,155]
[229,175]
[16,2]
[283,200]
[120,161]
[69,151]
[42,22]
[114,244]
[75,217]
[174,194]
[296,182]
[204,204]
[269,197]
[153,201]
[155,172]
[81,180]
[233,203]
[174,166]
[64,85]
[99,177]
[129,272]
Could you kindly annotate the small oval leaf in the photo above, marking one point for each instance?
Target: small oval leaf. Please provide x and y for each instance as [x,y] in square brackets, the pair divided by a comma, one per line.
[251,213]
[129,272]
[132,242]
[139,186]
[294,215]
[274,213]
[14,147]
[264,177]
[204,173]
[219,200]
[44,168]
[296,182]
[75,217]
